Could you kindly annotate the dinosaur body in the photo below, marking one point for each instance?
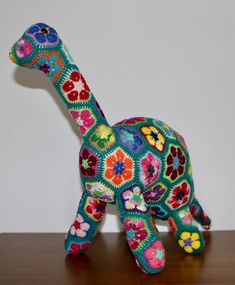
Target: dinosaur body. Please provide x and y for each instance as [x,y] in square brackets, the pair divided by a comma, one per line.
[141,164]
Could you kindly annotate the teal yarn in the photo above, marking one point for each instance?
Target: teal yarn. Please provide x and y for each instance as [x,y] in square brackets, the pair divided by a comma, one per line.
[140,164]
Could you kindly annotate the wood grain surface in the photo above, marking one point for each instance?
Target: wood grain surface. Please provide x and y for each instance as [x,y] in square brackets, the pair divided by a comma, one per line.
[40,259]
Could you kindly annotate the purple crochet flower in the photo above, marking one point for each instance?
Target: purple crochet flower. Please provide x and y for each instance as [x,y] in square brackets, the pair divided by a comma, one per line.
[130,139]
[155,194]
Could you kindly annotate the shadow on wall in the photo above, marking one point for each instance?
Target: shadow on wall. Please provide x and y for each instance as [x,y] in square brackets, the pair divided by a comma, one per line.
[35,79]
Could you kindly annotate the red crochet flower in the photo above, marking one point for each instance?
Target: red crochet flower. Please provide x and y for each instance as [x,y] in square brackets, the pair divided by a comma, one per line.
[76,247]
[203,216]
[95,208]
[175,162]
[179,195]
[76,88]
[135,232]
[88,162]
[194,209]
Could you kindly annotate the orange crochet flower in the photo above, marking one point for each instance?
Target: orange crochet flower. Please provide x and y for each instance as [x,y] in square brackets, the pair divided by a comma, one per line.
[119,167]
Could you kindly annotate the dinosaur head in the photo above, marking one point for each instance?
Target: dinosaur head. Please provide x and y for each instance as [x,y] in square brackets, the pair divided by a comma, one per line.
[38,38]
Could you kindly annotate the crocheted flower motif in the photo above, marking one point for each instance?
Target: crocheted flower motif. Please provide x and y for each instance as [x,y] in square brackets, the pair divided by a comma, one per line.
[165,128]
[203,216]
[50,64]
[155,193]
[103,137]
[194,209]
[155,255]
[157,212]
[135,231]
[133,200]
[79,247]
[131,121]
[179,195]
[189,241]
[23,49]
[75,89]
[43,34]
[118,167]
[154,137]
[150,167]
[79,227]
[173,226]
[175,163]
[84,118]
[100,191]
[95,208]
[88,162]
[130,139]
[186,217]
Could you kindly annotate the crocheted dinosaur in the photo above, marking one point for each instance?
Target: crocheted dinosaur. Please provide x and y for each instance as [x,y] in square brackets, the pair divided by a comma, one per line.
[141,164]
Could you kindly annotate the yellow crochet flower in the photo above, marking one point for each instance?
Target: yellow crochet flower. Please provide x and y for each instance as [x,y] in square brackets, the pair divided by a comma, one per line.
[189,241]
[103,137]
[154,137]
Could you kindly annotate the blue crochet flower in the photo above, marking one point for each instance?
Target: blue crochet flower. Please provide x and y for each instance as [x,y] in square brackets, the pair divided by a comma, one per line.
[48,65]
[43,33]
[157,212]
[130,139]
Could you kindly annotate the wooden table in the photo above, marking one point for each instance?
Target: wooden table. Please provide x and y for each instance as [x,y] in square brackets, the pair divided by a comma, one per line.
[40,259]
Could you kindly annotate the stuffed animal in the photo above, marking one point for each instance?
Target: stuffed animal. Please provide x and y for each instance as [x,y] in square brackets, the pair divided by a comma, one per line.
[141,164]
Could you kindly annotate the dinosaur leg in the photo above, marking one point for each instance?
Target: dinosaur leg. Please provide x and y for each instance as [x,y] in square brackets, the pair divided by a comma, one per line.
[89,215]
[186,231]
[199,215]
[142,236]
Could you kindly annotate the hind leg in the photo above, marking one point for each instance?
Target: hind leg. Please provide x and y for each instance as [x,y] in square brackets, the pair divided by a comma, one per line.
[89,215]
[199,215]
[186,231]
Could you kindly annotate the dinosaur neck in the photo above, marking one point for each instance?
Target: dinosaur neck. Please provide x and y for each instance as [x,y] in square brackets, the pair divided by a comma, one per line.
[74,91]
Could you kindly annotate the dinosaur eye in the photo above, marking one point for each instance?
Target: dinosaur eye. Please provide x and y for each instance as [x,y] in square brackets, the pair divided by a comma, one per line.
[45,31]
[23,48]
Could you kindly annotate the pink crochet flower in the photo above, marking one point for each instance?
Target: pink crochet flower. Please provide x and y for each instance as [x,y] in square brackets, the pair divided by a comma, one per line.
[79,227]
[155,255]
[135,231]
[133,200]
[84,119]
[150,169]
[23,48]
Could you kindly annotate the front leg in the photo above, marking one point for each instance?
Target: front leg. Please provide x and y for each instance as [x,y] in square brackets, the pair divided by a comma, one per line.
[142,236]
[89,215]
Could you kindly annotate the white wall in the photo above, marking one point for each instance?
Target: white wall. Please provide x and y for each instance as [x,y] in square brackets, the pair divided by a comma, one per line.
[172,60]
